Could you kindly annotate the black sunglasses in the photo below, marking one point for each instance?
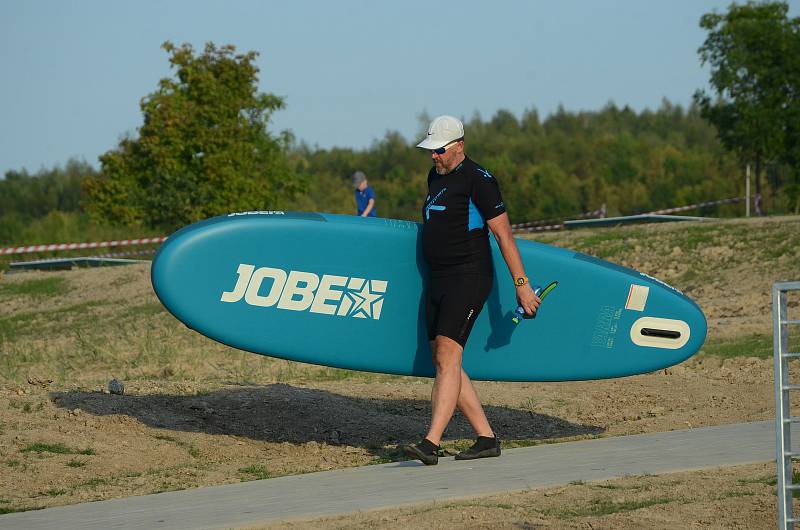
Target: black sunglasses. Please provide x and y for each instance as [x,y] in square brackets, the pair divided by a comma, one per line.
[442,150]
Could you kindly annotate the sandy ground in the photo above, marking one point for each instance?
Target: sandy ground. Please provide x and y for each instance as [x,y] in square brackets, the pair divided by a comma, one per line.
[162,436]
[195,413]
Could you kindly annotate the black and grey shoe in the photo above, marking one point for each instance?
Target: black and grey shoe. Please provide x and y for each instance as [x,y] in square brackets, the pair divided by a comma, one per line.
[484,447]
[425,451]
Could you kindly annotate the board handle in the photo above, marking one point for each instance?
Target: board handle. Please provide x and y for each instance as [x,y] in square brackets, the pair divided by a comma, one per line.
[520,314]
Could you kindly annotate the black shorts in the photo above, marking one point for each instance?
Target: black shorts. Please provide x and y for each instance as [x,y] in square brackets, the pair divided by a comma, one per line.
[452,304]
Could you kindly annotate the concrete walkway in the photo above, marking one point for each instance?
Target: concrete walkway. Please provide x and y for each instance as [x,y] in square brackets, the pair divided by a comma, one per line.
[386,485]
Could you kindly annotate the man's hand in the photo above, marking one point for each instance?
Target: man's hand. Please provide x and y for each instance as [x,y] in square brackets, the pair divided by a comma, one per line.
[528,299]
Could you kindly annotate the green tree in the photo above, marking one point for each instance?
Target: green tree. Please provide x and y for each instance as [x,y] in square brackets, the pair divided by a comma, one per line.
[752,51]
[33,196]
[792,117]
[203,149]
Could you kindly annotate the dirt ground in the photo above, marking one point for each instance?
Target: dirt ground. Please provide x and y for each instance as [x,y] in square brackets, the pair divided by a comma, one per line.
[195,413]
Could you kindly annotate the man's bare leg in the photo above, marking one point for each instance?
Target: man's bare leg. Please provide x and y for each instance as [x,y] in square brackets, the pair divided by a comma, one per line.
[447,385]
[470,405]
[447,356]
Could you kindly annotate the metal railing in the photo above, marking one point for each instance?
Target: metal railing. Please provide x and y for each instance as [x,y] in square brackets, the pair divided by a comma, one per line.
[783,417]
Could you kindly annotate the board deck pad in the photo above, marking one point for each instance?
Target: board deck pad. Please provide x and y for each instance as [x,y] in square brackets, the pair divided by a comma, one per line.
[347,292]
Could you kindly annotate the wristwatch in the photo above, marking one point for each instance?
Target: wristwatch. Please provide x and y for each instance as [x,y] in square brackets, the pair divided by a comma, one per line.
[522,280]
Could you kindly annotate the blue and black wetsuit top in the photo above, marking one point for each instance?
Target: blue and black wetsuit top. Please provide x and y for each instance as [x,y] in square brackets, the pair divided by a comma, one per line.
[455,237]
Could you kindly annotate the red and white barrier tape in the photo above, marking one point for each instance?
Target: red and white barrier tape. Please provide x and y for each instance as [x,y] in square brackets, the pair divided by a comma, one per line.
[545,228]
[549,224]
[698,205]
[533,226]
[600,212]
[80,246]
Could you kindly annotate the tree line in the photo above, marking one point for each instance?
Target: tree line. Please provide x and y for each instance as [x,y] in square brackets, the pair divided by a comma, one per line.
[205,147]
[558,167]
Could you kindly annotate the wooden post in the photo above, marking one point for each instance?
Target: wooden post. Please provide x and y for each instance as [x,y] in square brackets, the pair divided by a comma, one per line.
[747,192]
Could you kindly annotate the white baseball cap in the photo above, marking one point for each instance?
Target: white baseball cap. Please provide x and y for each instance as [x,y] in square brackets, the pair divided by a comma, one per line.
[442,131]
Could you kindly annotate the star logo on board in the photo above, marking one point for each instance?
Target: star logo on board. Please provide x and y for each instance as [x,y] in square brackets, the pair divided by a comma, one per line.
[364,299]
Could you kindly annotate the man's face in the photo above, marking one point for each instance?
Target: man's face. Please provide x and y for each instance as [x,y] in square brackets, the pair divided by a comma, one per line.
[452,157]
[362,185]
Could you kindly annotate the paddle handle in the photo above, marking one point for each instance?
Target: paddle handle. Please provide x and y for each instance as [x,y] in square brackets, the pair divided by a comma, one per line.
[520,314]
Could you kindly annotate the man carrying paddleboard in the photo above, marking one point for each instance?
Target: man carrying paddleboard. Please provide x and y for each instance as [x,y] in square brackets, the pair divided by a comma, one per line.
[463,204]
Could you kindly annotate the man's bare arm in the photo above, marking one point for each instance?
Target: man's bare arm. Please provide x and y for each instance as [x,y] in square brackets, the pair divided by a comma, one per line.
[501,228]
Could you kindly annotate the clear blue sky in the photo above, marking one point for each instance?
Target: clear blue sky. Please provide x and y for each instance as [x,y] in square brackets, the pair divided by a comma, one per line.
[73,72]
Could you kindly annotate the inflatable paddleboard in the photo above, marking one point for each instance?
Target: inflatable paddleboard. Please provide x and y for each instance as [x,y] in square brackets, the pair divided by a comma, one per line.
[347,292]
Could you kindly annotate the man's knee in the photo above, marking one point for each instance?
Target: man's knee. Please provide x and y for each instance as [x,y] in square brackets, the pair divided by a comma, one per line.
[446,353]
